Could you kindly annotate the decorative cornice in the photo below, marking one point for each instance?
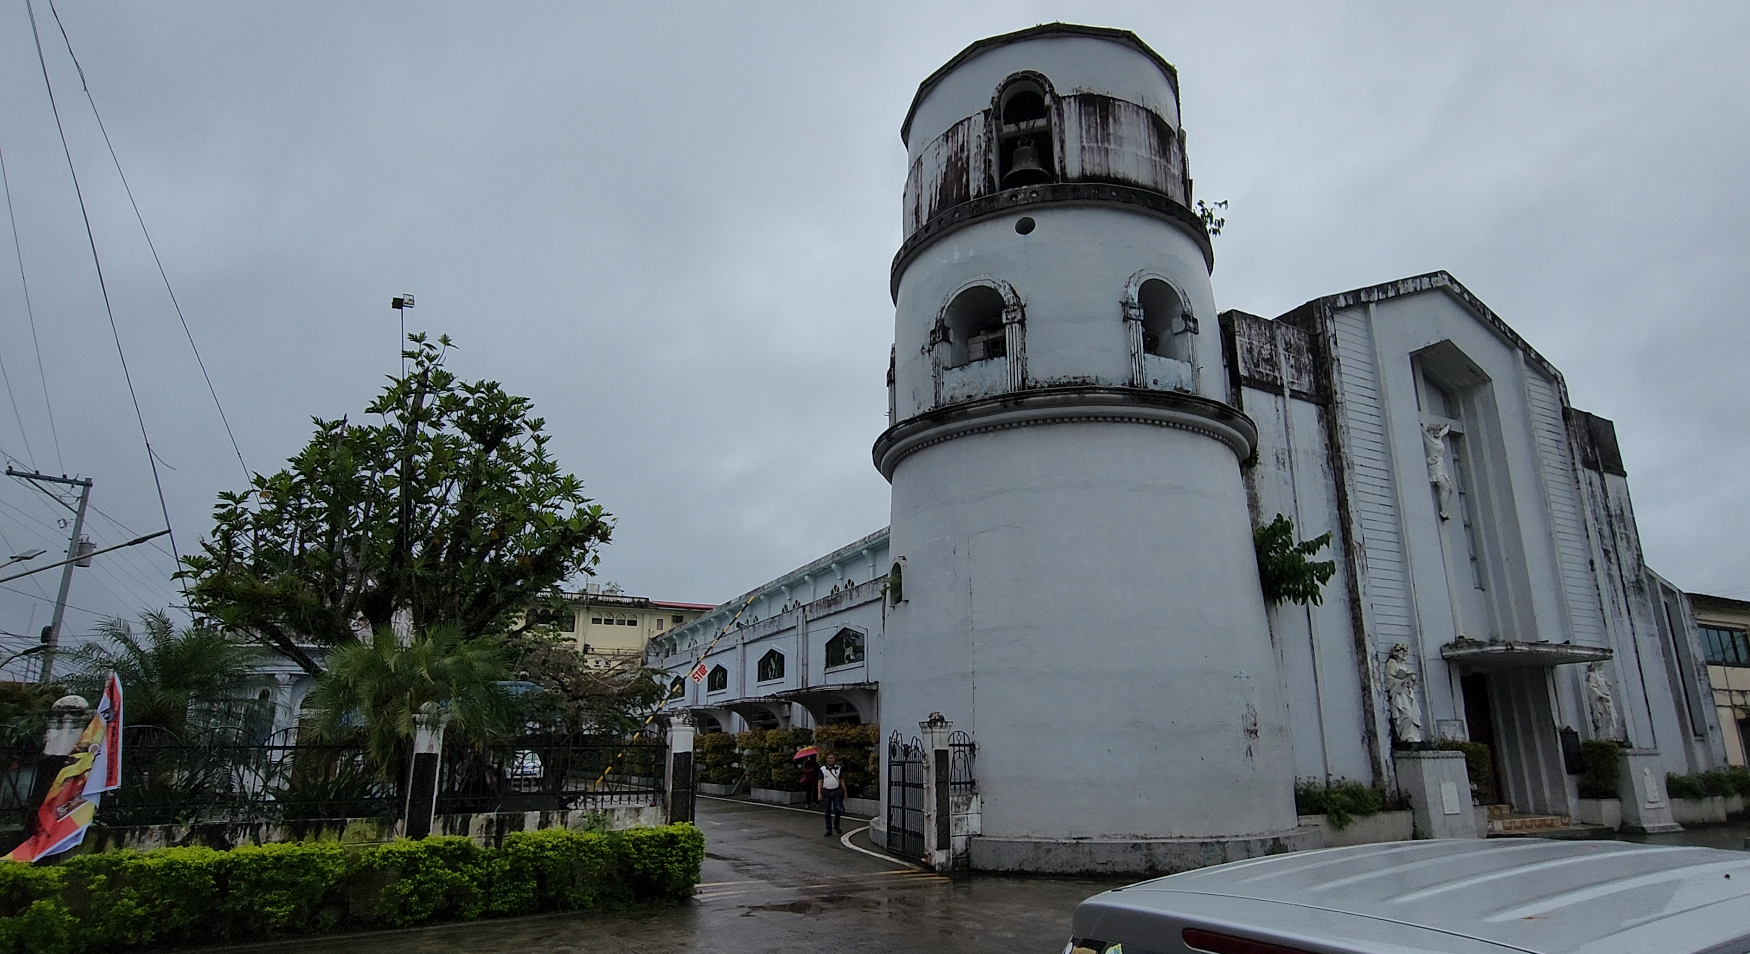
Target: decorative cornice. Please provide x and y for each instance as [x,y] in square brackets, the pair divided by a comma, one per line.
[1055,193]
[1068,405]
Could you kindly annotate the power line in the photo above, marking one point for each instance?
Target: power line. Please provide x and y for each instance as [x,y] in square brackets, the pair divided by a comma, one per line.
[86,86]
[30,313]
[102,284]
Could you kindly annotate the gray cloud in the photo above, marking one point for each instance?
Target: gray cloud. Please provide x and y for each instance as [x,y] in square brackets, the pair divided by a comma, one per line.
[671,225]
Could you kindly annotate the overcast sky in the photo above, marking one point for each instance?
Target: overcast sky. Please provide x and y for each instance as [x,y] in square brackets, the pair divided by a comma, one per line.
[671,225]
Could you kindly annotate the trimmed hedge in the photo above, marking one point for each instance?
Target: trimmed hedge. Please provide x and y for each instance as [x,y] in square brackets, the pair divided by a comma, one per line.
[1603,768]
[715,755]
[128,899]
[858,751]
[1726,781]
[766,755]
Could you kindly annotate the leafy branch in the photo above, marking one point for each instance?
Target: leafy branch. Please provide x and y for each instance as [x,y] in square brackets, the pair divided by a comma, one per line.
[1283,565]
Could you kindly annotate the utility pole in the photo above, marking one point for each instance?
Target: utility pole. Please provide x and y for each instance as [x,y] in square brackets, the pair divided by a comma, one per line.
[75,556]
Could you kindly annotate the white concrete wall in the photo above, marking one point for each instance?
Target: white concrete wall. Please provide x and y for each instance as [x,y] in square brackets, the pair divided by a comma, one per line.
[1084,599]
[1073,64]
[1071,274]
[1327,700]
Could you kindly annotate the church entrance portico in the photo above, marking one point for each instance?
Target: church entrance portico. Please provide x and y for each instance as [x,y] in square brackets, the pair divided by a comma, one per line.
[1509,703]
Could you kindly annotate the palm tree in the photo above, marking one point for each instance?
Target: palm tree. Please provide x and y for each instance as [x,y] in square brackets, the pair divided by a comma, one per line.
[375,688]
[172,679]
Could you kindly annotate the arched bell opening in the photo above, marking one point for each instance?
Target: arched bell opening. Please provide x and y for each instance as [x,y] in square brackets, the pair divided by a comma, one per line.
[975,326]
[1026,145]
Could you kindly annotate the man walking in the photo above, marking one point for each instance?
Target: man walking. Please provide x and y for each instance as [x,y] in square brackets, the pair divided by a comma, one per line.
[831,789]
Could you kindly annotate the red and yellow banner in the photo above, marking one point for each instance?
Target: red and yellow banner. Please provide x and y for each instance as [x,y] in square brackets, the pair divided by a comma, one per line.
[71,802]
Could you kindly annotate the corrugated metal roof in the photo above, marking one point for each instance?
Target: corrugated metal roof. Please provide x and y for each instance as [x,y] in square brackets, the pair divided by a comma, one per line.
[1523,894]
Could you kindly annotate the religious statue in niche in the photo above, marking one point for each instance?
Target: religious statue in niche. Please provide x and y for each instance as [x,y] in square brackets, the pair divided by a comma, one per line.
[1434,443]
[1400,687]
[1600,702]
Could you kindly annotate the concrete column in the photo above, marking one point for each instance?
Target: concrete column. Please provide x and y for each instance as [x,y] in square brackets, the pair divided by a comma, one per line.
[1641,787]
[428,746]
[679,781]
[67,721]
[1437,783]
[938,815]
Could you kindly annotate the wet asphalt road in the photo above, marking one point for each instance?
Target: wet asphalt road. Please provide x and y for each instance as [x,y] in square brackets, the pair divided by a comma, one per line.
[772,882]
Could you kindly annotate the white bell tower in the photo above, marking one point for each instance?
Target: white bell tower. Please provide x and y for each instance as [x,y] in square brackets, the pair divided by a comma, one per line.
[1079,587]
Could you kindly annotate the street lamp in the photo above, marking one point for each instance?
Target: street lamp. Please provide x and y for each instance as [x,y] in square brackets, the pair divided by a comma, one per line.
[23,556]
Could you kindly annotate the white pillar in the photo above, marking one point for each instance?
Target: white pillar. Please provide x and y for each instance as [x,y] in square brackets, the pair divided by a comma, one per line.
[428,745]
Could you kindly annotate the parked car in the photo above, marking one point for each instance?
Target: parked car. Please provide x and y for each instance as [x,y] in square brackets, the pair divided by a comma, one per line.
[1456,897]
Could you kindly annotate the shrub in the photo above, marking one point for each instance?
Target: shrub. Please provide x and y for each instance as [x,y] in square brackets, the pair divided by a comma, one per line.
[856,747]
[766,755]
[178,896]
[1683,786]
[33,918]
[716,758]
[425,880]
[659,864]
[1338,801]
[1727,781]
[1603,770]
[145,898]
[550,870]
[1481,766]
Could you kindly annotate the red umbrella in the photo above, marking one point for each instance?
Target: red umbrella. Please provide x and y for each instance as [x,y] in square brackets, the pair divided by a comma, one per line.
[805,752]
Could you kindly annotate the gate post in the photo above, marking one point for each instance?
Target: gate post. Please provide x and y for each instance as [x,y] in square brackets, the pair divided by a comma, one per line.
[679,783]
[938,816]
[422,781]
[67,721]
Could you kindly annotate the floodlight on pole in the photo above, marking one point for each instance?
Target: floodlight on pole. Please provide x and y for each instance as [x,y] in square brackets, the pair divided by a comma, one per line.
[401,303]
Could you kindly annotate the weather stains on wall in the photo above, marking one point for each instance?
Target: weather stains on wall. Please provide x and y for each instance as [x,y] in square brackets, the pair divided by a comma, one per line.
[1098,139]
[1110,140]
[949,171]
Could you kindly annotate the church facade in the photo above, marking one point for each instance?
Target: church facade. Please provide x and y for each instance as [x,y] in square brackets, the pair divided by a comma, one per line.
[1080,448]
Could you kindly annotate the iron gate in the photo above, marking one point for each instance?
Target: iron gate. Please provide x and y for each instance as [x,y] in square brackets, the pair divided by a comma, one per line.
[905,797]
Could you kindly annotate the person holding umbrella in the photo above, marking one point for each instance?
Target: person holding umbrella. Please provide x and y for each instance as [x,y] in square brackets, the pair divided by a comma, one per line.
[810,772]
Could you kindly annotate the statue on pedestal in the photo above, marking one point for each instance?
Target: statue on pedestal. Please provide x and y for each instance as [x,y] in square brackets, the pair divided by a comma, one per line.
[1400,687]
[1600,702]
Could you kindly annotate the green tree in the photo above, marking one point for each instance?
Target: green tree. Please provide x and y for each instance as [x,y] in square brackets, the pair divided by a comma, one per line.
[1284,569]
[447,507]
[579,697]
[173,678]
[375,688]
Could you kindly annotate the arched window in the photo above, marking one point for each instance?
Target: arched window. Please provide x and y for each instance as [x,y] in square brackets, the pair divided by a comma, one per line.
[677,688]
[975,330]
[717,679]
[1025,145]
[844,649]
[1163,320]
[771,666]
[896,583]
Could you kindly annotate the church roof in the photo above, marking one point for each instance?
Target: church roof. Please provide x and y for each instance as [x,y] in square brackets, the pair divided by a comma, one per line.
[1443,281]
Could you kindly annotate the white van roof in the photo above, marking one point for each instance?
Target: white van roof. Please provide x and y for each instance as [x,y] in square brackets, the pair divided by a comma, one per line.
[1532,895]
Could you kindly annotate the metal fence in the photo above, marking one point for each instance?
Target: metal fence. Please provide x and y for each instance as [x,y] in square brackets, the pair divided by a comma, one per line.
[962,758]
[18,772]
[218,777]
[557,773]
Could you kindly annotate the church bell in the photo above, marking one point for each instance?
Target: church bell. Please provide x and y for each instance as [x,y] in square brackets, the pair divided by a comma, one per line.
[1024,167]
